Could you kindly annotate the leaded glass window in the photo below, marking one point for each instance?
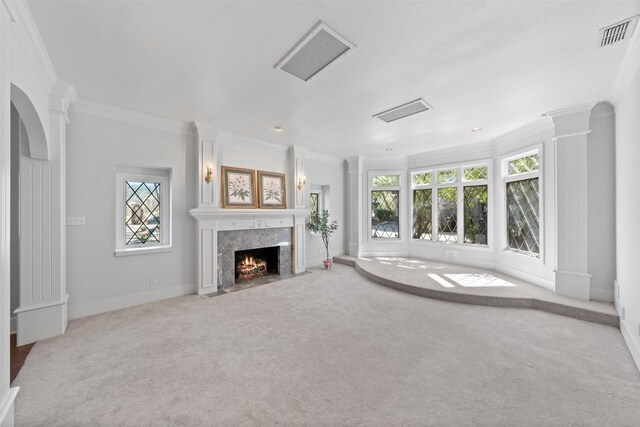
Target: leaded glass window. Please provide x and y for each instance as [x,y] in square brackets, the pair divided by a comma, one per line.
[142,213]
[523,216]
[447,176]
[422,214]
[385,214]
[422,178]
[448,214]
[315,200]
[476,210]
[524,164]
[385,181]
[476,173]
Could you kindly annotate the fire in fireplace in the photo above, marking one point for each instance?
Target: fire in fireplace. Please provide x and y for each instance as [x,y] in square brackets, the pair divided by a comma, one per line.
[255,263]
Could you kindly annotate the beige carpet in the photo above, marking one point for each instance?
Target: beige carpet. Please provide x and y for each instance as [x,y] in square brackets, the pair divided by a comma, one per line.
[328,348]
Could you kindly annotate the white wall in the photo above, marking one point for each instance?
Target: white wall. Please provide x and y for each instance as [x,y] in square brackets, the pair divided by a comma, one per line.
[97,280]
[331,173]
[628,212]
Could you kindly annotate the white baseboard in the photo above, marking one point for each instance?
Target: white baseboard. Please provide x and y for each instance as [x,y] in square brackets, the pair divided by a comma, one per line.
[633,343]
[13,326]
[518,274]
[6,408]
[89,309]
[599,294]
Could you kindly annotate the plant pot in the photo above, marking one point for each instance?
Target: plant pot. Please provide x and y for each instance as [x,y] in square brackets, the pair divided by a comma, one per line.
[327,263]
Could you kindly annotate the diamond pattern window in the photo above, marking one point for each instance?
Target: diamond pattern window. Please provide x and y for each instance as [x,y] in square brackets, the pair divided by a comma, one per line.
[315,203]
[385,181]
[476,211]
[447,176]
[385,214]
[422,214]
[476,173]
[422,178]
[448,214]
[142,213]
[524,164]
[523,216]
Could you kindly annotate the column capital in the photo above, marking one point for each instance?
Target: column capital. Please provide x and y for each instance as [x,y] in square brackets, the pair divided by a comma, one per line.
[206,132]
[62,95]
[571,121]
[355,164]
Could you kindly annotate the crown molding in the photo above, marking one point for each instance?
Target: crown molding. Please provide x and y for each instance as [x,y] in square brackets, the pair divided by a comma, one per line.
[206,132]
[116,114]
[250,144]
[323,158]
[628,69]
[29,36]
[62,95]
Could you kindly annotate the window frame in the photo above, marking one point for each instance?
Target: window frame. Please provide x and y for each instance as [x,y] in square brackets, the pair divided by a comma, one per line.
[323,192]
[505,179]
[143,174]
[460,183]
[370,187]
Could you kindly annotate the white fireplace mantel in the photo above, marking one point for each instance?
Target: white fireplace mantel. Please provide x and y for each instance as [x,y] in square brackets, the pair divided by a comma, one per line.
[211,220]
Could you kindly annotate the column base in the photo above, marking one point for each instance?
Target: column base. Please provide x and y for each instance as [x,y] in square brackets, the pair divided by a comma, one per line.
[572,284]
[41,321]
[6,408]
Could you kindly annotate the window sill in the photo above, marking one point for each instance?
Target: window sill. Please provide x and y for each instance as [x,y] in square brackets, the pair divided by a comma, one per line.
[471,246]
[143,251]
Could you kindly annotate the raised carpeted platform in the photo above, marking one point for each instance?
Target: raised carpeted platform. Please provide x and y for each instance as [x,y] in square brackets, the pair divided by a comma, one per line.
[467,285]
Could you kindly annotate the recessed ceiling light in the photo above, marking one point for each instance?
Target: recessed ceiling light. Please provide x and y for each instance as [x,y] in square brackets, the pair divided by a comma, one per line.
[476,129]
[278,128]
[389,149]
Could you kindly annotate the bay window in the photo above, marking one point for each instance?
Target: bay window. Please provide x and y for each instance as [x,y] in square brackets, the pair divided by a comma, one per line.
[456,200]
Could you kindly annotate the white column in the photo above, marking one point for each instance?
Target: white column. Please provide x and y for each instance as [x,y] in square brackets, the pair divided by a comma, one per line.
[295,161]
[355,197]
[209,196]
[43,296]
[296,174]
[572,237]
[6,396]
[209,156]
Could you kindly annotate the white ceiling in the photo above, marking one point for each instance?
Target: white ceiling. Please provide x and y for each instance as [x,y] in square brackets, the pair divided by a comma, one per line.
[491,64]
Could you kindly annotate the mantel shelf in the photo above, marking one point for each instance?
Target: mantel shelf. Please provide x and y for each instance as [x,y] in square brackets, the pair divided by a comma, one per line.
[219,213]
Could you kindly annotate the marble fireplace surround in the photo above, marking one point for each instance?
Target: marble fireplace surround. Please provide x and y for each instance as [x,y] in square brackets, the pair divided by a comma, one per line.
[257,224]
[230,241]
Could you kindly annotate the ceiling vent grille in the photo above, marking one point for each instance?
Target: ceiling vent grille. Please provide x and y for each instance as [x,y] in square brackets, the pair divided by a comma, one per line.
[405,110]
[617,32]
[319,48]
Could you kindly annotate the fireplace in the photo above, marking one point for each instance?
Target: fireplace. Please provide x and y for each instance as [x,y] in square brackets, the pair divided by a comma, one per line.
[256,263]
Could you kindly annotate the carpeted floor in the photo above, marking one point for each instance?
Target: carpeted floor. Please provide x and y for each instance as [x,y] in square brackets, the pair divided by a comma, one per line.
[328,348]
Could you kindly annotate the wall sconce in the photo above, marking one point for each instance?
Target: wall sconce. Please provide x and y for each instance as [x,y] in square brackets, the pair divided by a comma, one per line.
[209,175]
[301,182]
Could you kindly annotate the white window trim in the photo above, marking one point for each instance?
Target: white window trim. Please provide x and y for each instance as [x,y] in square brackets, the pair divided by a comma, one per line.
[505,178]
[401,222]
[459,184]
[162,176]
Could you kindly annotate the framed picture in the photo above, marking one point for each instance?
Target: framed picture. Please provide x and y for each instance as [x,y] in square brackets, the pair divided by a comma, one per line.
[238,188]
[271,189]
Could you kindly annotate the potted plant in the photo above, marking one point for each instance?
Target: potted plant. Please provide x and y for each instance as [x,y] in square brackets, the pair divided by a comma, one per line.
[322,225]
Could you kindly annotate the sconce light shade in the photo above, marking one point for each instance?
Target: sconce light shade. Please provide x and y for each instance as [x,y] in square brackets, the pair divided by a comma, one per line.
[209,175]
[301,182]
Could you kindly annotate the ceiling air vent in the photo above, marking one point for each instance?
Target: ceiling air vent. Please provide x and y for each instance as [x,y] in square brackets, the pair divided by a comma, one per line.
[617,32]
[319,48]
[405,110]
